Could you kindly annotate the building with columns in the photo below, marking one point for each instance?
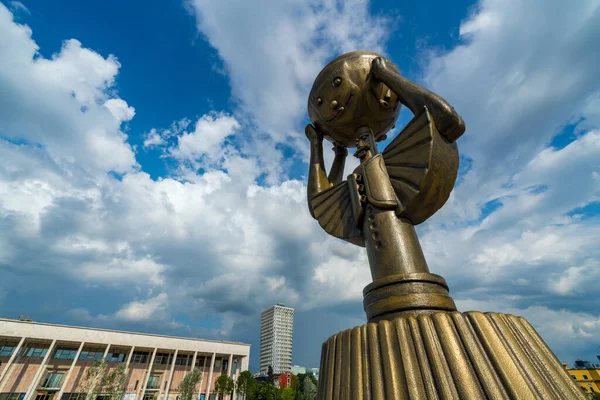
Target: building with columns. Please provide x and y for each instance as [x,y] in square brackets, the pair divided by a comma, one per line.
[41,361]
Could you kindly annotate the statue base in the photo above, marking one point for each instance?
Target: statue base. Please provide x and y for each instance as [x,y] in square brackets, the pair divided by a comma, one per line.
[442,355]
[410,293]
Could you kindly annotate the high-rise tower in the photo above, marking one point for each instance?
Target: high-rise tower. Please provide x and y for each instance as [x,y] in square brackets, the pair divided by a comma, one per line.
[276,334]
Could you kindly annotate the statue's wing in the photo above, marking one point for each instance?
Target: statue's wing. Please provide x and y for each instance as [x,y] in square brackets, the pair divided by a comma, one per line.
[422,166]
[336,212]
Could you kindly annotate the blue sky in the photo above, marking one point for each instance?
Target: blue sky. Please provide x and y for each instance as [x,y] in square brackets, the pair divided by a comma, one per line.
[153,163]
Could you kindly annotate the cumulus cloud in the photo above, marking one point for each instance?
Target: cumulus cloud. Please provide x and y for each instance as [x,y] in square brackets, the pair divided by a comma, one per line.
[120,109]
[207,139]
[515,228]
[517,84]
[57,102]
[153,139]
[210,241]
[150,309]
[285,45]
[217,240]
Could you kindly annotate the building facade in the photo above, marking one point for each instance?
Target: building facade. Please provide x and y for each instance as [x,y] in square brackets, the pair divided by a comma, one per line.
[49,362]
[297,369]
[276,336]
[283,380]
[588,377]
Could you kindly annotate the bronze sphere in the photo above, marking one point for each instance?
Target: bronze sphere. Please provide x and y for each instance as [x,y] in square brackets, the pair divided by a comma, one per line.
[345,97]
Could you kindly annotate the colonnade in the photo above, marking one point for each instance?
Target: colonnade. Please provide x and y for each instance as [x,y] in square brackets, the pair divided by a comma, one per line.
[8,370]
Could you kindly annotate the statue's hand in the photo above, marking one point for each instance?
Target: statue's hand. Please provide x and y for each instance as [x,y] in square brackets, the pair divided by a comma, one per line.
[379,68]
[312,134]
[340,150]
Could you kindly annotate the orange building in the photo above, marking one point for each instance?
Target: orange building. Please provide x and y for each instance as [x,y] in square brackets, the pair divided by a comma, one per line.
[48,362]
[588,378]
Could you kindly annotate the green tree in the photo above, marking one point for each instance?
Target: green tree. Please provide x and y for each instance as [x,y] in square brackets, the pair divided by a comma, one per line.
[305,387]
[270,376]
[187,387]
[224,385]
[244,383]
[101,379]
[263,391]
[287,393]
[310,389]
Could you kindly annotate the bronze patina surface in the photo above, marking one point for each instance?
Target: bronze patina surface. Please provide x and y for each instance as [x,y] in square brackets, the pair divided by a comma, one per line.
[415,345]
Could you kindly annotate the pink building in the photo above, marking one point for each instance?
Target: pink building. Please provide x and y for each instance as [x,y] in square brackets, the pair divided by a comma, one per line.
[48,362]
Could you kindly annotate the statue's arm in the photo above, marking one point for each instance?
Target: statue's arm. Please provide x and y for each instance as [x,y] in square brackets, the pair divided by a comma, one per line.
[336,175]
[414,96]
[317,176]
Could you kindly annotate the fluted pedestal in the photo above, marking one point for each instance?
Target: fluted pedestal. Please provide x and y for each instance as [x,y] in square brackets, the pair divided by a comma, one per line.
[443,355]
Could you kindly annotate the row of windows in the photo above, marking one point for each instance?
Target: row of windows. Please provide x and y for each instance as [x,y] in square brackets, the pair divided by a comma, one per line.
[53,380]
[65,354]
[74,396]
[33,352]
[78,396]
[12,396]
[115,357]
[139,357]
[6,350]
[93,355]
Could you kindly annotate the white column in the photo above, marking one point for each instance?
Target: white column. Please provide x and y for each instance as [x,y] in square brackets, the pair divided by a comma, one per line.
[210,372]
[203,369]
[245,363]
[68,375]
[194,361]
[235,375]
[171,375]
[228,397]
[39,372]
[229,364]
[106,351]
[128,358]
[146,376]
[89,393]
[8,365]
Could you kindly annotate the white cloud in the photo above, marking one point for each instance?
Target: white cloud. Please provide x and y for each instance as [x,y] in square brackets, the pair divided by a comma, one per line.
[522,72]
[153,139]
[120,110]
[286,43]
[151,309]
[17,6]
[57,102]
[118,271]
[156,138]
[207,139]
[517,84]
[219,241]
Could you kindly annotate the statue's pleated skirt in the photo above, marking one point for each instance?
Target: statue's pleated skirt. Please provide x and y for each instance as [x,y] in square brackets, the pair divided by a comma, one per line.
[443,355]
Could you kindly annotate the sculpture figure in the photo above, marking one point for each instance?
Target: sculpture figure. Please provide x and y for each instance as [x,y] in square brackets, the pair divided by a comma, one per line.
[391,191]
[416,345]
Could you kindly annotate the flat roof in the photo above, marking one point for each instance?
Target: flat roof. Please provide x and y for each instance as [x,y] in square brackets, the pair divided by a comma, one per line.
[49,330]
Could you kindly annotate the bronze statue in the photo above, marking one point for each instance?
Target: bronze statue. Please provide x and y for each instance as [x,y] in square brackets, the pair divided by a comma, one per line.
[416,345]
[396,189]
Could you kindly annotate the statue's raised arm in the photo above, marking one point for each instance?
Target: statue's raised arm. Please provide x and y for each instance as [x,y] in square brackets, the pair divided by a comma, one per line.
[415,97]
[317,175]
